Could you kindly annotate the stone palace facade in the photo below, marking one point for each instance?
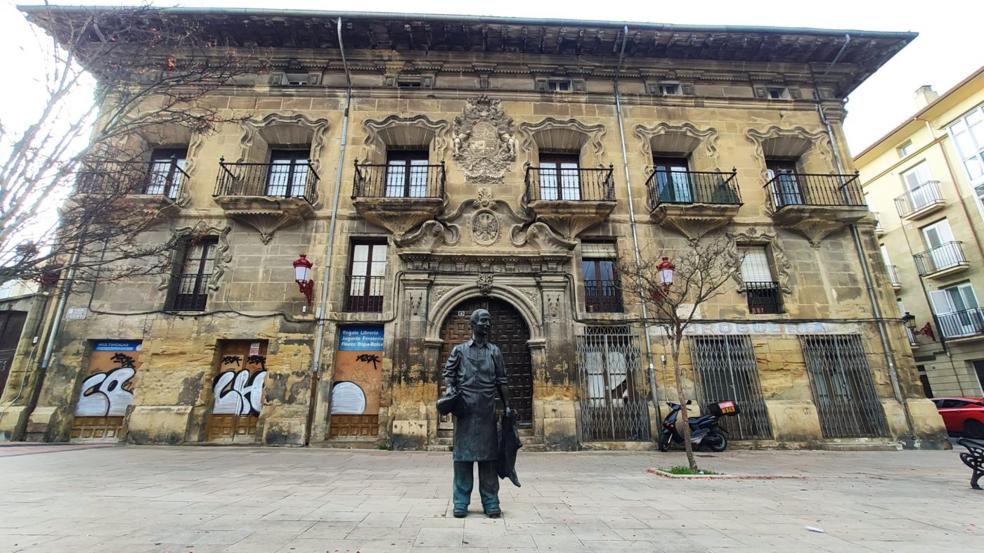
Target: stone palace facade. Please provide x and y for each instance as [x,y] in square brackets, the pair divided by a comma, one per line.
[429,165]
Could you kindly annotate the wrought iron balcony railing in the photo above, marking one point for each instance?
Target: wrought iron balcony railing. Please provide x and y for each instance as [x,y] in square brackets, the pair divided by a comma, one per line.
[602,296]
[763,297]
[365,294]
[155,178]
[960,324]
[398,181]
[273,180]
[923,196]
[807,189]
[693,187]
[577,185]
[948,255]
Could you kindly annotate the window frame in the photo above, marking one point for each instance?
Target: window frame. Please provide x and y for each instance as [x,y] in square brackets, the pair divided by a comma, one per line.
[559,176]
[296,158]
[409,185]
[756,296]
[613,305]
[366,302]
[199,295]
[173,158]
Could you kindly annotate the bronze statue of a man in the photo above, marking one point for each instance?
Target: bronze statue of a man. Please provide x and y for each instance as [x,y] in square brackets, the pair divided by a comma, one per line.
[475,369]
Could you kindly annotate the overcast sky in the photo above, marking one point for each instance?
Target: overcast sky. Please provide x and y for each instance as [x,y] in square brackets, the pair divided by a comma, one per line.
[949,46]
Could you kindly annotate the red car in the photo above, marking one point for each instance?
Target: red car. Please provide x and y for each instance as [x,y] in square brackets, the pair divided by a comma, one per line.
[962,415]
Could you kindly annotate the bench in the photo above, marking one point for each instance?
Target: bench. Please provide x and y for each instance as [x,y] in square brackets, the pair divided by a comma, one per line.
[973,458]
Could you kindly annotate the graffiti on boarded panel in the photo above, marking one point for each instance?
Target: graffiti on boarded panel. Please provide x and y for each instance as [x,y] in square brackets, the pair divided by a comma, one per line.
[108,390]
[238,387]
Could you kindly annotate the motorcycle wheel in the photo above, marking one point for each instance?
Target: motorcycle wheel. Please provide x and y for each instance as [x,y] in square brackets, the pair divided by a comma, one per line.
[716,441]
[664,441]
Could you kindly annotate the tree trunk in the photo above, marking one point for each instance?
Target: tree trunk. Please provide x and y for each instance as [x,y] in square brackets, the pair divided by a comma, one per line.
[683,421]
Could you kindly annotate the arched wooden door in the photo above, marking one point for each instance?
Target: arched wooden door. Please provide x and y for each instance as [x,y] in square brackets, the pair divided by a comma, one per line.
[510,333]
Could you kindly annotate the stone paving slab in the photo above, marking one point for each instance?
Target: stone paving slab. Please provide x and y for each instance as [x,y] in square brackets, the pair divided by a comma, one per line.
[265,500]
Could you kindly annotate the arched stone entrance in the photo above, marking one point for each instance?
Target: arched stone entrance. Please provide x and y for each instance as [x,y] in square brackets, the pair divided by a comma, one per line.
[510,333]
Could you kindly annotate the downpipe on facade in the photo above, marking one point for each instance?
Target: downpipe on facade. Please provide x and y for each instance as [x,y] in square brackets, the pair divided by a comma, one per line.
[865,270]
[650,372]
[319,334]
[49,347]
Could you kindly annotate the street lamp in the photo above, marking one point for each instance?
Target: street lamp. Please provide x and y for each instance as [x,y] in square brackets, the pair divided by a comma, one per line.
[909,320]
[665,271]
[302,274]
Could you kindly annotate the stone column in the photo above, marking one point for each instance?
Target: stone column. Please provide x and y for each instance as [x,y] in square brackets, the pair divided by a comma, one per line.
[415,378]
[554,369]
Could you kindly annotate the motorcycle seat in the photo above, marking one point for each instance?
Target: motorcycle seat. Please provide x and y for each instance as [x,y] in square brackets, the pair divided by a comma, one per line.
[700,420]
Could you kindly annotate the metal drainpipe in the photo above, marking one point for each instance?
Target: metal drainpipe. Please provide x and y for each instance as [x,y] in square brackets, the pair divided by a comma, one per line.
[632,220]
[319,334]
[49,347]
[865,271]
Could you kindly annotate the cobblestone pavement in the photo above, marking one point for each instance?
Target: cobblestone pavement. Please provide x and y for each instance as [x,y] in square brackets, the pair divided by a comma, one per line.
[244,500]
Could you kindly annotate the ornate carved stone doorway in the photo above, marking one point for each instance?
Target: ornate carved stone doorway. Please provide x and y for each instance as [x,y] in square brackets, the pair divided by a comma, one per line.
[510,333]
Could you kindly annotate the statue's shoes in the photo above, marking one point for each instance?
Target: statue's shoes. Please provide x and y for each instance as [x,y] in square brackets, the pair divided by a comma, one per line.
[494,513]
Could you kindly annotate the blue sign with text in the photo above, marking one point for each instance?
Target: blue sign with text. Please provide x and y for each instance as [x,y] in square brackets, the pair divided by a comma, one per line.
[361,338]
[116,346]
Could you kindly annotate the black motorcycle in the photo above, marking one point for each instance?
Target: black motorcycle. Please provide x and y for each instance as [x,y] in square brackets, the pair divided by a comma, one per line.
[704,430]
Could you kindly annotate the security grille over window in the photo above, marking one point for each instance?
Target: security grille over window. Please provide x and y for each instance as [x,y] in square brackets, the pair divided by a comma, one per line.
[612,387]
[843,390]
[726,371]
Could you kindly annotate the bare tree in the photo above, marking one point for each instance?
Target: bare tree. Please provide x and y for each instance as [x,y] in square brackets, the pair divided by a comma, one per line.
[699,273]
[78,185]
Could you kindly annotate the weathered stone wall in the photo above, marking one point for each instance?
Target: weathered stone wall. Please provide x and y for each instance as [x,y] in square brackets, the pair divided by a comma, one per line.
[431,268]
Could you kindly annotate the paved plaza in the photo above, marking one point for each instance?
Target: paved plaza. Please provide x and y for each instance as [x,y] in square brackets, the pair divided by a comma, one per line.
[244,500]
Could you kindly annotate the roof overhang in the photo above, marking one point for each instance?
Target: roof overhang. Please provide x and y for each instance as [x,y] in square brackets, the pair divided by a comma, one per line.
[862,54]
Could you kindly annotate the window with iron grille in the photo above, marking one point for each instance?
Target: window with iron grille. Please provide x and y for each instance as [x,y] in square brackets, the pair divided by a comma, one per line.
[406,173]
[726,370]
[602,289]
[367,271]
[761,289]
[842,385]
[288,173]
[167,166]
[189,288]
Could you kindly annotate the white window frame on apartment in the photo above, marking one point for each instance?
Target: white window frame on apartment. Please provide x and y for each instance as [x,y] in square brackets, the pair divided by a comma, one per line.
[892,273]
[942,256]
[967,133]
[959,298]
[917,186]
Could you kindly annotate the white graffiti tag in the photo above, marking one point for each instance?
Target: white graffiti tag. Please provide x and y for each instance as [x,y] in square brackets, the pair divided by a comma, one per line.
[238,393]
[103,394]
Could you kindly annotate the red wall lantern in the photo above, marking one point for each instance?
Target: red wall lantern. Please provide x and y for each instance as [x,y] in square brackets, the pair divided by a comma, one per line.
[665,269]
[302,274]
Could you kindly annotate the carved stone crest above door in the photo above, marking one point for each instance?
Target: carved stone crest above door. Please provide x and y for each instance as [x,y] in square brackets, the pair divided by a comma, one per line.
[483,140]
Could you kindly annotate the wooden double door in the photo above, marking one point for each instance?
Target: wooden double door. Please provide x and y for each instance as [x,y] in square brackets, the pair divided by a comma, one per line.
[510,333]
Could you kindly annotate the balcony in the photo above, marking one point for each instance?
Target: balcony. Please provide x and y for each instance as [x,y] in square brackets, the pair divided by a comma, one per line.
[941,261]
[966,324]
[920,201]
[365,294]
[893,276]
[570,200]
[763,297]
[693,202]
[267,196]
[879,226]
[398,198]
[148,186]
[815,205]
[602,296]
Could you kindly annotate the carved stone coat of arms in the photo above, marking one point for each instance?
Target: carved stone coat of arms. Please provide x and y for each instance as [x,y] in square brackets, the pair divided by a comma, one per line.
[483,140]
